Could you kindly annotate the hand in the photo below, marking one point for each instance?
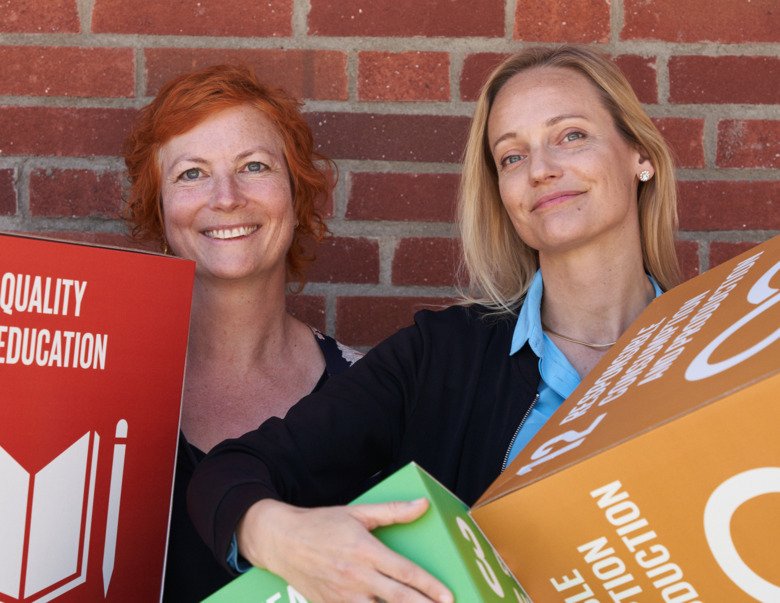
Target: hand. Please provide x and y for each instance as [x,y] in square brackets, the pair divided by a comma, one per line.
[329,554]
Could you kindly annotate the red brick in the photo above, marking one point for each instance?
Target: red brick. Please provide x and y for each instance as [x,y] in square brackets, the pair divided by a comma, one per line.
[571,21]
[325,207]
[685,137]
[426,261]
[315,74]
[722,251]
[202,18]
[476,69]
[749,143]
[724,79]
[406,18]
[701,20]
[723,205]
[57,131]
[365,321]
[112,239]
[403,197]
[688,256]
[49,71]
[642,74]
[434,138]
[7,193]
[323,204]
[28,16]
[72,193]
[309,309]
[345,260]
[404,76]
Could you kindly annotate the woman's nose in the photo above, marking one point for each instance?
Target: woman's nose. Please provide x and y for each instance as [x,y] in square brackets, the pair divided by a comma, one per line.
[543,165]
[226,194]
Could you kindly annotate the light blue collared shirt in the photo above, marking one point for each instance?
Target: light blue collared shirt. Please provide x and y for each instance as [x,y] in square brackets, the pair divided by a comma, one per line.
[558,377]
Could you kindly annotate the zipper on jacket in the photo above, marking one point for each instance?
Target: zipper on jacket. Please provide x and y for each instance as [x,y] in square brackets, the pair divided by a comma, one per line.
[517,431]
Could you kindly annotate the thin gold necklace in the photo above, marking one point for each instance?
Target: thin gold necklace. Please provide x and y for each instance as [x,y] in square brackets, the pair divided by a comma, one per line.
[579,341]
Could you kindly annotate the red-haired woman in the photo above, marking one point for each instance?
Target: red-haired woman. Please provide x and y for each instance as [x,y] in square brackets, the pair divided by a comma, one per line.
[223,172]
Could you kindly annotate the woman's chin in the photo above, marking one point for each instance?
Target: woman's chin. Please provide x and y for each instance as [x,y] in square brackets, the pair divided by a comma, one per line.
[240,272]
[223,272]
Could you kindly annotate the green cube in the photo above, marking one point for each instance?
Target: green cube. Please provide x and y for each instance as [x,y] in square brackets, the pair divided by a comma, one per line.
[445,542]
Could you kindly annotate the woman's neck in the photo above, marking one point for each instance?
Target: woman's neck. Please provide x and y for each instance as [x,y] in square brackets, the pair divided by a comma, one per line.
[239,322]
[592,295]
[247,360]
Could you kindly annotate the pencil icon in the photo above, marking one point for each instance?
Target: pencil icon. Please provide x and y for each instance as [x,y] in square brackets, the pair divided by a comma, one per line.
[114,495]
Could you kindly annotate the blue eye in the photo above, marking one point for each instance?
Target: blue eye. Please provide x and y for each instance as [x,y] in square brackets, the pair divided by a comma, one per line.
[190,174]
[509,159]
[572,136]
[255,166]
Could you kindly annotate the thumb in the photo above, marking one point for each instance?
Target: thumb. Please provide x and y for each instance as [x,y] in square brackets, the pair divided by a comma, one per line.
[385,514]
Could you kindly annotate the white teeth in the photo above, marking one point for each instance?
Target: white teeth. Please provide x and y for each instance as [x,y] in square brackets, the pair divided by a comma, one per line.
[230,233]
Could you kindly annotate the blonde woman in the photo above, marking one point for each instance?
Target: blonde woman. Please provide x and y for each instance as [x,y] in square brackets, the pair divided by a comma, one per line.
[567,213]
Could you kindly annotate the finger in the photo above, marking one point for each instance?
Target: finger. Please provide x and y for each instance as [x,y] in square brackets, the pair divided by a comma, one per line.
[402,572]
[387,589]
[385,514]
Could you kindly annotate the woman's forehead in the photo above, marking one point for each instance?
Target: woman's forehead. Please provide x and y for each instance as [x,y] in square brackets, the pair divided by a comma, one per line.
[540,94]
[236,125]
[559,83]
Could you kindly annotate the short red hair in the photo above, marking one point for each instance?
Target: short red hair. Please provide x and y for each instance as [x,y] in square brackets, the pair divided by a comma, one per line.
[188,100]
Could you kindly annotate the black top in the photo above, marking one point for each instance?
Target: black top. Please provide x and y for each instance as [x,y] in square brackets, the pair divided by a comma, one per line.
[443,392]
[191,572]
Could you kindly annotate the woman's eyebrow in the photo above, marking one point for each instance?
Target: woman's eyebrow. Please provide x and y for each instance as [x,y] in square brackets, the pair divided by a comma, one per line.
[550,122]
[248,152]
[558,118]
[185,157]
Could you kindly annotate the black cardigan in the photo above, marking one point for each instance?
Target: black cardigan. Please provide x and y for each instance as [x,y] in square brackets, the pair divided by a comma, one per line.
[443,392]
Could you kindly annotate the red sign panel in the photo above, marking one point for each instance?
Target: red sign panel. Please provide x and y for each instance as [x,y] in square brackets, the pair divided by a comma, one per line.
[92,349]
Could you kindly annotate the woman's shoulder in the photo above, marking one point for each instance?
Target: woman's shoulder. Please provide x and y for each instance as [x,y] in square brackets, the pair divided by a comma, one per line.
[446,327]
[338,357]
[471,317]
[461,328]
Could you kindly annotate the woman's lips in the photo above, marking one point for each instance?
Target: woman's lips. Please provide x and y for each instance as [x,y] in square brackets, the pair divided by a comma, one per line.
[554,199]
[232,232]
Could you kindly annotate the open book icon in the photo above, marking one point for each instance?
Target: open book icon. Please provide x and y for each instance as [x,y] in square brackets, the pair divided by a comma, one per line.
[46,520]
[45,548]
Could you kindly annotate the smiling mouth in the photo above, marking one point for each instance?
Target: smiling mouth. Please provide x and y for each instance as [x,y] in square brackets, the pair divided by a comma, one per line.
[555,199]
[230,233]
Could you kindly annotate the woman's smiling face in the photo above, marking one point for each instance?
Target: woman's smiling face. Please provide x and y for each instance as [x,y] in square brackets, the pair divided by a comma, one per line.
[566,175]
[226,194]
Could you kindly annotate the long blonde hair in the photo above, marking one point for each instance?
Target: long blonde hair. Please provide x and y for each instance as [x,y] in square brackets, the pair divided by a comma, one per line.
[499,265]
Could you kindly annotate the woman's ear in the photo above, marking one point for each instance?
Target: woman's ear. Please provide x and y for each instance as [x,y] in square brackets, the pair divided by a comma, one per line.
[645,169]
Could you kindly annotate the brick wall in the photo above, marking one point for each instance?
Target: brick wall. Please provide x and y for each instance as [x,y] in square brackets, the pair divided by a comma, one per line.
[389,87]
